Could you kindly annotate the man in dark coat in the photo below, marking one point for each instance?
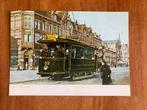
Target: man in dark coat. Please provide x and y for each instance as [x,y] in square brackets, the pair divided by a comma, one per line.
[105,74]
[59,51]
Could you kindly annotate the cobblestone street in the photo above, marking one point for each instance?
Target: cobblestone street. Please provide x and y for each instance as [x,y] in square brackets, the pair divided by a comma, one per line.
[120,76]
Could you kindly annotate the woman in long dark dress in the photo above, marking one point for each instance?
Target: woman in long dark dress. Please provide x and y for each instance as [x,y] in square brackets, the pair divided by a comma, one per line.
[105,74]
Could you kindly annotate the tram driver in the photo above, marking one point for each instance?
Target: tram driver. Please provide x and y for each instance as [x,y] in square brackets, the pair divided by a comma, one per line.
[59,51]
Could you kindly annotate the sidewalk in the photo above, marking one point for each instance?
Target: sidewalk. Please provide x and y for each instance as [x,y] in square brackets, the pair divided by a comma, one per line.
[24,75]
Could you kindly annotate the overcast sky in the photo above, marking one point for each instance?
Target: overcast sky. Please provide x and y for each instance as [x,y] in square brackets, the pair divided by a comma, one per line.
[108,24]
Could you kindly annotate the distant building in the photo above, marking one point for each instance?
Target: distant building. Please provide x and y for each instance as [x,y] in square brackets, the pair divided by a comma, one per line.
[125,54]
[114,47]
[27,27]
[110,57]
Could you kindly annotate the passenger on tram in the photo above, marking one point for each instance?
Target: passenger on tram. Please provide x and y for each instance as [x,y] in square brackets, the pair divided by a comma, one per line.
[44,52]
[59,51]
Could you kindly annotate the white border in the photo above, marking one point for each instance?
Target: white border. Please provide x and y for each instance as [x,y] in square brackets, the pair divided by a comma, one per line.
[69,90]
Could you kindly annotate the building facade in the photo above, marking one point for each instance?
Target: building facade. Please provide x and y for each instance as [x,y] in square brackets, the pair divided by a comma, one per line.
[27,27]
[110,57]
[22,30]
[125,55]
[113,52]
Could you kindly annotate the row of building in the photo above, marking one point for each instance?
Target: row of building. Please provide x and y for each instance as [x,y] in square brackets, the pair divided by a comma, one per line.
[27,27]
[117,53]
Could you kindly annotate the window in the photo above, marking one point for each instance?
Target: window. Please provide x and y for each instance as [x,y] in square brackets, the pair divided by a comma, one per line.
[37,37]
[88,53]
[38,24]
[43,26]
[12,22]
[77,52]
[56,51]
[17,24]
[54,28]
[58,30]
[52,51]
[14,61]
[27,21]
[46,27]
[50,28]
[28,38]
[73,52]
[55,17]
[29,24]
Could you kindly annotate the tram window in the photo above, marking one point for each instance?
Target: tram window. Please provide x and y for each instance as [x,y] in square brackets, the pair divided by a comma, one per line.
[52,52]
[88,53]
[44,52]
[56,51]
[73,52]
[59,51]
[67,52]
[77,52]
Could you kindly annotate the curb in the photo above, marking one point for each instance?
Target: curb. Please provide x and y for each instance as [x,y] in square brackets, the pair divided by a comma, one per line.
[28,80]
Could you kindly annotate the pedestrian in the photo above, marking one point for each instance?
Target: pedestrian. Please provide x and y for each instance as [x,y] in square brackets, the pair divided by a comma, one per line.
[18,67]
[105,74]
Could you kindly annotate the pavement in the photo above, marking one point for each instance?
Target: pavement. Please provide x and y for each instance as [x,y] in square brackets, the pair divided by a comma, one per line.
[24,75]
[120,76]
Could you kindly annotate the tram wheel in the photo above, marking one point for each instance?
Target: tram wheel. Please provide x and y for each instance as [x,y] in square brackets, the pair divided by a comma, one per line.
[73,76]
[56,78]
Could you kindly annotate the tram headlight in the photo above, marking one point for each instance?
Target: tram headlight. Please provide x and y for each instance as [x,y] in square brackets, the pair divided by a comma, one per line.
[93,58]
[45,68]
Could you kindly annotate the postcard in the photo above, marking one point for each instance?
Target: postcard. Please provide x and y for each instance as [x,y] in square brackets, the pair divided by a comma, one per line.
[69,53]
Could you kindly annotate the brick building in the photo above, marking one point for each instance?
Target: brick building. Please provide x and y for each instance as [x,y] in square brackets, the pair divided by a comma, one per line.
[27,27]
[22,32]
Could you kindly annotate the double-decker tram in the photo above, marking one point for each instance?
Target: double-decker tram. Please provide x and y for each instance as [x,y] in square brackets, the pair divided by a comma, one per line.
[66,58]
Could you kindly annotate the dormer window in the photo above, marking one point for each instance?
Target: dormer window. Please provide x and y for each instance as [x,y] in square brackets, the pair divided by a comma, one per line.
[54,17]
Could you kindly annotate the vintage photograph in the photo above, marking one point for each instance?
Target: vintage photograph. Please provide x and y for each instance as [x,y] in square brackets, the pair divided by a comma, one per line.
[68,52]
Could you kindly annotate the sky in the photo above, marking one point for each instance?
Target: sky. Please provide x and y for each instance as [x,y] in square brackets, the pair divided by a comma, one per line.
[108,24]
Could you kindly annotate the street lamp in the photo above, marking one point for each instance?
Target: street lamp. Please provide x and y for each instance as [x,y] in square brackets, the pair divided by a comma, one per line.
[34,61]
